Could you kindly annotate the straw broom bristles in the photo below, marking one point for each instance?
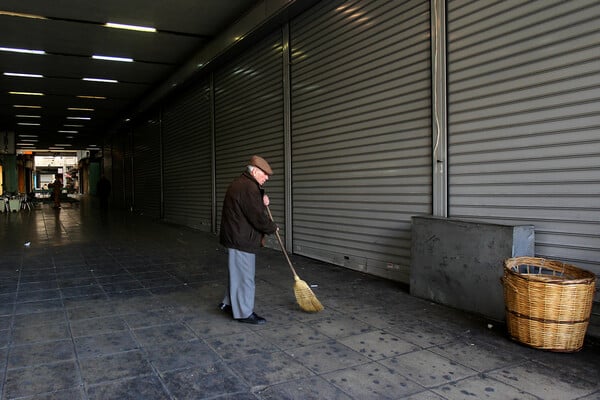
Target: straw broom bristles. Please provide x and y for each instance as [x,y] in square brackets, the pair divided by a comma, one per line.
[305,297]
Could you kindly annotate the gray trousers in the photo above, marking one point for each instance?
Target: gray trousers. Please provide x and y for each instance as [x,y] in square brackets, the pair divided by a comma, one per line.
[240,292]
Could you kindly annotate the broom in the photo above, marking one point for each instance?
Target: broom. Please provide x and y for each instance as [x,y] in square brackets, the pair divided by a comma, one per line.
[304,295]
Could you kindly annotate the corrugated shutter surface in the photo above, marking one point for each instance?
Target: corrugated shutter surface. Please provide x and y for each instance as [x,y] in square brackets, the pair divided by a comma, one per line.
[249,120]
[128,195]
[187,159]
[146,167]
[361,132]
[117,184]
[524,120]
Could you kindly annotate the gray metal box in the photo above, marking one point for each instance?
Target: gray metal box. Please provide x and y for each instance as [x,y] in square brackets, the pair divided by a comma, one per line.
[460,263]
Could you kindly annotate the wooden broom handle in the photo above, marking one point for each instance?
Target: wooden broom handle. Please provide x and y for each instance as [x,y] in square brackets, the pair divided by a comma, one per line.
[281,245]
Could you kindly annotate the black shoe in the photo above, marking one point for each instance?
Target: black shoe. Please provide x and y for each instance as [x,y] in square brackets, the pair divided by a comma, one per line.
[253,319]
[226,308]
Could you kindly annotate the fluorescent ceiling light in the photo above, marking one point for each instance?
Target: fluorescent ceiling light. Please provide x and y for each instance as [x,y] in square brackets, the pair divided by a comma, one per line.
[27,135]
[24,106]
[63,145]
[55,148]
[22,15]
[100,80]
[30,140]
[84,118]
[79,109]
[92,97]
[27,93]
[25,144]
[67,131]
[130,27]
[110,58]
[28,116]
[28,123]
[74,125]
[23,75]
[28,51]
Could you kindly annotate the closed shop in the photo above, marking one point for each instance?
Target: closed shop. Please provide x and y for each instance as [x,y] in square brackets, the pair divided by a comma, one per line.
[187,149]
[524,114]
[361,132]
[249,120]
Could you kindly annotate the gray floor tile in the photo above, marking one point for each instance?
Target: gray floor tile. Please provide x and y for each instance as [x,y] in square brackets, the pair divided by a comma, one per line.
[293,335]
[327,356]
[372,381]
[104,344]
[378,345]
[145,387]
[203,382]
[129,364]
[427,368]
[41,379]
[180,355]
[240,345]
[481,387]
[314,388]
[94,326]
[545,382]
[41,353]
[40,333]
[265,369]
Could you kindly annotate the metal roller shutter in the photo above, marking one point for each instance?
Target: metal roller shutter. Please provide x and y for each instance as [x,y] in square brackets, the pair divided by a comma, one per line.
[146,172]
[524,115]
[361,132]
[128,194]
[117,184]
[187,159]
[249,120]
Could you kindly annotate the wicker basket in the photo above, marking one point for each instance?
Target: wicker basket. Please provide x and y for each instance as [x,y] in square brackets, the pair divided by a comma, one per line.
[548,303]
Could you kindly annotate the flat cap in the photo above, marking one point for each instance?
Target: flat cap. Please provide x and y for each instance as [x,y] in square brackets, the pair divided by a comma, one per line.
[261,163]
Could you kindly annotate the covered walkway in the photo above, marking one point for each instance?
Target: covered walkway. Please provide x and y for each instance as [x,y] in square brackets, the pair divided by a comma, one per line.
[116,306]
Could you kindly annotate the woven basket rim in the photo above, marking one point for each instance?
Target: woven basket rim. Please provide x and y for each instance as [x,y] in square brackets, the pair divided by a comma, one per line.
[582,276]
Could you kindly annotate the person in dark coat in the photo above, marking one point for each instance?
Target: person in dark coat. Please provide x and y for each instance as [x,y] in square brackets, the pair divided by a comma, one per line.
[244,222]
[103,191]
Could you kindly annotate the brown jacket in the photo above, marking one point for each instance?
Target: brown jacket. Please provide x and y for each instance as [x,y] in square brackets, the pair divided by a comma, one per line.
[244,220]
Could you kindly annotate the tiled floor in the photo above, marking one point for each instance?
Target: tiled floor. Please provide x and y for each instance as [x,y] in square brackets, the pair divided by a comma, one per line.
[120,307]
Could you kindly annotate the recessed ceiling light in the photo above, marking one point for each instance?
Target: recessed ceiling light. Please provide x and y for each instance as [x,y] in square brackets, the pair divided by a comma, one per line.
[100,80]
[17,74]
[92,97]
[110,58]
[22,15]
[28,51]
[130,27]
[24,106]
[27,93]
[79,109]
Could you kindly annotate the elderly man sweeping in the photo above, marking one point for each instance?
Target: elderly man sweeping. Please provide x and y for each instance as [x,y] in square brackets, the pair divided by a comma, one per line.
[244,222]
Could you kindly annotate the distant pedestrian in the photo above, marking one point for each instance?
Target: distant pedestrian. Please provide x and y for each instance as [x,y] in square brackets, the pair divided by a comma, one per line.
[57,191]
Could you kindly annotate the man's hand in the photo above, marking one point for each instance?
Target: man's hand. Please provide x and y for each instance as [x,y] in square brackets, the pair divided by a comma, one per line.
[266,201]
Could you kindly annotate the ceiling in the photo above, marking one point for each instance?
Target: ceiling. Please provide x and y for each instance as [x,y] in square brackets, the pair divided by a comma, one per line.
[74,113]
